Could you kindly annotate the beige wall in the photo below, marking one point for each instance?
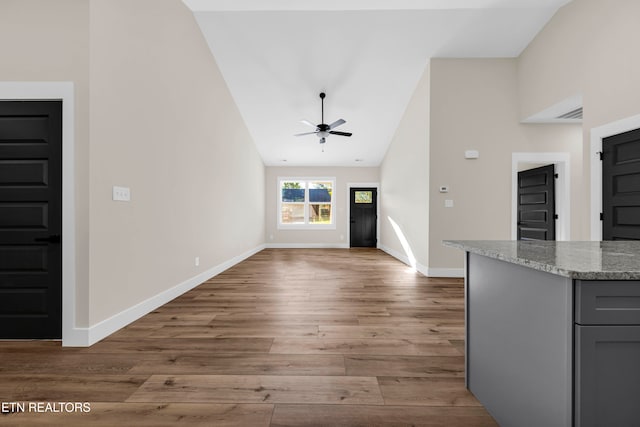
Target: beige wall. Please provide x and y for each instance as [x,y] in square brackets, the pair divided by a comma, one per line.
[590,48]
[41,40]
[153,113]
[164,124]
[326,237]
[404,176]
[474,106]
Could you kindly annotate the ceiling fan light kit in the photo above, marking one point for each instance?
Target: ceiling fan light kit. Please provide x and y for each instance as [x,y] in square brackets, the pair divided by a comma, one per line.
[323,130]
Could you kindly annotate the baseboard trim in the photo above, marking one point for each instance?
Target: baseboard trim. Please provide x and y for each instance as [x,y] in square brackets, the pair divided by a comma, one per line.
[307,245]
[422,269]
[85,337]
[446,272]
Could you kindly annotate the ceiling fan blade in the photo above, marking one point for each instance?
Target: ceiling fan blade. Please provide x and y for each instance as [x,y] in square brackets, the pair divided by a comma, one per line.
[337,123]
[308,123]
[333,132]
[306,133]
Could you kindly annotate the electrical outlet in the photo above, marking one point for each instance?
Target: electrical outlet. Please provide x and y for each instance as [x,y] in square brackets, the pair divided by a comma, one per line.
[197,261]
[448,203]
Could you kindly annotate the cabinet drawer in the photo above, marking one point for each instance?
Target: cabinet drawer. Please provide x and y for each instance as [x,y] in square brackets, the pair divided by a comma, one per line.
[607,302]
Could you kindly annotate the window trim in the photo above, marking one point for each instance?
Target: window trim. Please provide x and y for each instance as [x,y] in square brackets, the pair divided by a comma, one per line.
[307,203]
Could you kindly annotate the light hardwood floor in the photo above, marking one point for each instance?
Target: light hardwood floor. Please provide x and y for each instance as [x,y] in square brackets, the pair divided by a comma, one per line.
[289,337]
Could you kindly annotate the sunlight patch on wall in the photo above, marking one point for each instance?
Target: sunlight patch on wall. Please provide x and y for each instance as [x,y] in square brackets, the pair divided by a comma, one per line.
[405,244]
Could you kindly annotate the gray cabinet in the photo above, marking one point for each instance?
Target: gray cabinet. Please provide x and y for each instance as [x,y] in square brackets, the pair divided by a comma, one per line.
[520,343]
[607,354]
[553,331]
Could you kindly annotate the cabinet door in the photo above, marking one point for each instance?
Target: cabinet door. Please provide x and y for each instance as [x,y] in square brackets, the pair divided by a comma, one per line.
[607,376]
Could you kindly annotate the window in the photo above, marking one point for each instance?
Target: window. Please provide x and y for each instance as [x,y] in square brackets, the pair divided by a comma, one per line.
[364,197]
[306,203]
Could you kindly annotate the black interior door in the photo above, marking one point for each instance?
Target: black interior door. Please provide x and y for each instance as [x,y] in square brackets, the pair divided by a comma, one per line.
[621,186]
[536,204]
[364,207]
[30,219]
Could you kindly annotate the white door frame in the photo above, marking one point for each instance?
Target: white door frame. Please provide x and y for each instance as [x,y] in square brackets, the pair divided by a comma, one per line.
[563,189]
[351,185]
[64,91]
[597,135]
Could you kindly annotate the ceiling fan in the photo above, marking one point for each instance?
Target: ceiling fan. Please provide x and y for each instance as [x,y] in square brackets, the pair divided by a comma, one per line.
[324,130]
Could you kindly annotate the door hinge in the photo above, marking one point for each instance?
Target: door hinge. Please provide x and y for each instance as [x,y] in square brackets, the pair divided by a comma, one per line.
[555,216]
[556,175]
[601,216]
[600,154]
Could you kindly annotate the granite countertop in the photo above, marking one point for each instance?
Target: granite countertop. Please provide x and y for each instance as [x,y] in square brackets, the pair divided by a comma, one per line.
[607,260]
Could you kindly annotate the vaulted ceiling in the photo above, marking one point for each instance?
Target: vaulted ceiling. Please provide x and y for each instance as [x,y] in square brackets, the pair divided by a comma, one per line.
[276,56]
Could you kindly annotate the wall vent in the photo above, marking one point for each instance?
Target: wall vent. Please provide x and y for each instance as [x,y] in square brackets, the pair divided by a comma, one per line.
[572,115]
[568,110]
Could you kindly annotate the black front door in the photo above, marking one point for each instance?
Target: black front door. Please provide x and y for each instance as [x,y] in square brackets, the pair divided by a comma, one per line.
[363,228]
[621,186]
[30,219]
[536,204]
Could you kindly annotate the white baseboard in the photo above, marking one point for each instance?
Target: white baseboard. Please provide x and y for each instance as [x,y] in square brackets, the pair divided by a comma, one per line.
[446,272]
[422,269]
[307,245]
[76,337]
[84,337]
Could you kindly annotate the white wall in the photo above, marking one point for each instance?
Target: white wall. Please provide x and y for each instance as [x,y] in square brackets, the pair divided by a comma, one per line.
[474,106]
[152,112]
[337,237]
[590,48]
[164,124]
[41,40]
[404,176]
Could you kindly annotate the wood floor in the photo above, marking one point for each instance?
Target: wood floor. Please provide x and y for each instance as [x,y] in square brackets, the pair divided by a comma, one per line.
[289,337]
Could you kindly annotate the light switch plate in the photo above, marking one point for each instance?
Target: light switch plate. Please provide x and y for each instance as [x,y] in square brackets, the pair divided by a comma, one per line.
[122,194]
[448,203]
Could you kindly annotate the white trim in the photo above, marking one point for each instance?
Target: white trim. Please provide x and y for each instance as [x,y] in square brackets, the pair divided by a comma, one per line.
[59,91]
[563,189]
[89,336]
[351,185]
[306,225]
[597,135]
[550,114]
[457,273]
[307,245]
[348,5]
[422,269]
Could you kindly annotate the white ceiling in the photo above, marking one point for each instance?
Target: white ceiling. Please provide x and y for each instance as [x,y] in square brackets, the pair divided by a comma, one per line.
[367,55]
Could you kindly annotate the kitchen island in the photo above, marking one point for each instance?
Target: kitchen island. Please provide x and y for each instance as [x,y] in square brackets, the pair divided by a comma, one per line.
[553,331]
